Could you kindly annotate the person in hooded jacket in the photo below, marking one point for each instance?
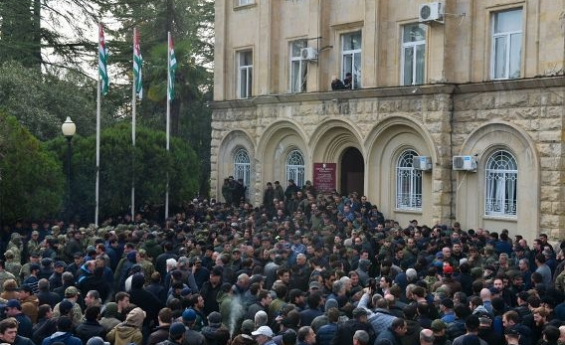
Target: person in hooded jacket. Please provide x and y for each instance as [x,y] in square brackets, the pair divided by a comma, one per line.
[128,331]
[64,333]
[145,300]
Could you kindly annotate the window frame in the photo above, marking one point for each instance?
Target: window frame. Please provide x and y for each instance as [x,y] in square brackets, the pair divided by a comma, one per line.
[242,166]
[244,2]
[414,47]
[296,172]
[508,42]
[508,205]
[356,82]
[409,187]
[248,69]
[302,67]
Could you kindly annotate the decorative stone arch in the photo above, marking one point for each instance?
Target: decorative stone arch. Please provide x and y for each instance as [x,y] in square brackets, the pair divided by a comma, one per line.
[331,138]
[330,141]
[470,192]
[384,145]
[232,142]
[275,143]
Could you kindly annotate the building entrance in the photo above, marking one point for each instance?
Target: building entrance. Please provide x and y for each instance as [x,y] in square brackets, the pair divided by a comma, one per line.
[352,172]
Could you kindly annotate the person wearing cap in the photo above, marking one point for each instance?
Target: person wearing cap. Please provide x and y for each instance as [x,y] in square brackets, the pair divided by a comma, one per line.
[326,333]
[213,331]
[14,309]
[263,335]
[176,335]
[192,337]
[210,289]
[4,275]
[245,337]
[71,295]
[12,265]
[439,328]
[31,277]
[486,330]
[29,302]
[110,316]
[512,336]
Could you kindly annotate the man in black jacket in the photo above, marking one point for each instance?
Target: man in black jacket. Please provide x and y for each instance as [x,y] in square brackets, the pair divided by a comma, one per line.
[345,331]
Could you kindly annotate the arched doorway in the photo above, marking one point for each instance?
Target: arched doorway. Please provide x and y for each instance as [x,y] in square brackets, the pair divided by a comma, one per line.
[352,170]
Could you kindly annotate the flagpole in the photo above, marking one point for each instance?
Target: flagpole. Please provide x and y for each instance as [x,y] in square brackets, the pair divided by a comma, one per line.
[133,115]
[98,106]
[168,122]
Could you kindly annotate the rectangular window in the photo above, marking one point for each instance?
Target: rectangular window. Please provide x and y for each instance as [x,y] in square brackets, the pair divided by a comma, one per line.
[413,54]
[298,67]
[351,60]
[506,44]
[245,74]
[244,2]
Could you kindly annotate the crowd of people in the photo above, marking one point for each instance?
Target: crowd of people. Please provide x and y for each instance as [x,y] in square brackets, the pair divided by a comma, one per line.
[301,268]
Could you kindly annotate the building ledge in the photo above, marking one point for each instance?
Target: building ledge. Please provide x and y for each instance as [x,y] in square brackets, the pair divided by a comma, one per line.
[396,91]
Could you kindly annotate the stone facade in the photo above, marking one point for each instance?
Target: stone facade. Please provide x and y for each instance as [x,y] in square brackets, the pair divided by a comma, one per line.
[457,110]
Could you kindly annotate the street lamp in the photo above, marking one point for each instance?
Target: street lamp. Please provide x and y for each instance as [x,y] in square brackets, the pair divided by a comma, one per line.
[69,129]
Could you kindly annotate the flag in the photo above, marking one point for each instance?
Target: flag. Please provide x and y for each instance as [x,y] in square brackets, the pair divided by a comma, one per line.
[137,65]
[102,61]
[172,69]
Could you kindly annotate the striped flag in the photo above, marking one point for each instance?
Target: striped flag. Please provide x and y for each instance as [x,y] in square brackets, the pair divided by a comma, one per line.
[172,69]
[102,61]
[137,65]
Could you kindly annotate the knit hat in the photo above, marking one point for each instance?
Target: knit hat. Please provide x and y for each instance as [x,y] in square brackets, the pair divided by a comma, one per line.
[438,325]
[176,330]
[111,309]
[215,318]
[247,326]
[189,315]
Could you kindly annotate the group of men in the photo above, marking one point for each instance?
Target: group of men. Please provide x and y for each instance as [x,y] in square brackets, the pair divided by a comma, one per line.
[302,268]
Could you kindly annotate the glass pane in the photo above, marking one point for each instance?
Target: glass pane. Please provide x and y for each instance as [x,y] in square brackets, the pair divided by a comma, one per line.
[414,33]
[500,57]
[249,81]
[408,65]
[297,46]
[352,41]
[508,21]
[294,79]
[347,59]
[246,58]
[515,55]
[420,63]
[243,83]
[356,71]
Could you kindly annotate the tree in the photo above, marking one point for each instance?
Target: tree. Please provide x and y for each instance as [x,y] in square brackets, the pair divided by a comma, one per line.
[24,39]
[148,163]
[191,23]
[32,180]
[50,98]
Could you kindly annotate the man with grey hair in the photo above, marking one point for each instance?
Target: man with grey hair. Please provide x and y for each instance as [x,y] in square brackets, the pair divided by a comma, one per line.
[360,338]
[426,337]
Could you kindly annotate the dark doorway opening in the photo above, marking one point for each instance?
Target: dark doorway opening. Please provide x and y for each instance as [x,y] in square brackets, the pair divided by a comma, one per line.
[352,172]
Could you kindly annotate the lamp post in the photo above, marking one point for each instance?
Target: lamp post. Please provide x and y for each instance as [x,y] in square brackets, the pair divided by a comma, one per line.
[69,129]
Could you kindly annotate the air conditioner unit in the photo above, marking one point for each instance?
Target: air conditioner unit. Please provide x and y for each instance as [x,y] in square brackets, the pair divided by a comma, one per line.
[432,11]
[422,163]
[466,163]
[308,53]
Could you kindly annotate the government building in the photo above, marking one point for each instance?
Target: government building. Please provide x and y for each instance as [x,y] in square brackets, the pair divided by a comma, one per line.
[454,112]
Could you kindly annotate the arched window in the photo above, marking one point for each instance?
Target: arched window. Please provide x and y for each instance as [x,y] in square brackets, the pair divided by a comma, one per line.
[295,167]
[242,166]
[408,183]
[501,182]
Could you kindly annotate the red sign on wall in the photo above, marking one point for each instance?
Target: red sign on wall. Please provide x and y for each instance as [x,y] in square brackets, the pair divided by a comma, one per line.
[325,176]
